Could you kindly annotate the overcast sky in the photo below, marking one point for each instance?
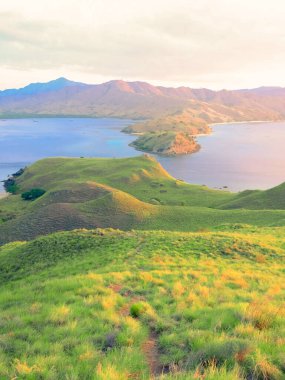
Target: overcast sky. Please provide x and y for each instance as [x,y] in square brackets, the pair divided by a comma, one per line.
[198,43]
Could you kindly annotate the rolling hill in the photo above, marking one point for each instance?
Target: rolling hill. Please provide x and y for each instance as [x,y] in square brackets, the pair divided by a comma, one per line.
[126,194]
[268,199]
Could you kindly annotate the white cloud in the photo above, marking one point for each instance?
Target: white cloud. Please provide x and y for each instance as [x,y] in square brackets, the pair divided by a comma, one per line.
[209,43]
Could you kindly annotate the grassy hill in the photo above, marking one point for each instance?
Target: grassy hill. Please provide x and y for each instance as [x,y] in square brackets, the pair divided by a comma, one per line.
[269,199]
[131,193]
[107,304]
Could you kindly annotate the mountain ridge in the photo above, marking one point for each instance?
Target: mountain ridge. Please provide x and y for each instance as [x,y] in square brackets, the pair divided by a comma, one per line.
[118,97]
[38,87]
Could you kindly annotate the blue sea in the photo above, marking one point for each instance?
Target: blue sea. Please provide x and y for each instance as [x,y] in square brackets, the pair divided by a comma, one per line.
[235,156]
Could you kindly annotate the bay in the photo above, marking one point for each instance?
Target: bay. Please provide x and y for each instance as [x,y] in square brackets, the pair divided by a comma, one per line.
[235,156]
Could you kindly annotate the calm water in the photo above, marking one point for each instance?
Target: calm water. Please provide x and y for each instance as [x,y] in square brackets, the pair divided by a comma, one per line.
[23,141]
[240,156]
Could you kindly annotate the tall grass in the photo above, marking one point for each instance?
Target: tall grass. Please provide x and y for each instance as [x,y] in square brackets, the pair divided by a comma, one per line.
[85,304]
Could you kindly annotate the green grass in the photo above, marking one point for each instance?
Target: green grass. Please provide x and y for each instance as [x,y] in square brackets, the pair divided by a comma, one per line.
[269,199]
[152,301]
[142,177]
[107,304]
[131,193]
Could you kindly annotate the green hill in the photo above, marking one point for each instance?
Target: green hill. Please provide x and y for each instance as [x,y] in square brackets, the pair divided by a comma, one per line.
[106,304]
[142,177]
[147,298]
[258,200]
[131,193]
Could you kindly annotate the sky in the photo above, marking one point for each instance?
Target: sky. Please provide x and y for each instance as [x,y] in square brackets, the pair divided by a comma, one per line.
[203,43]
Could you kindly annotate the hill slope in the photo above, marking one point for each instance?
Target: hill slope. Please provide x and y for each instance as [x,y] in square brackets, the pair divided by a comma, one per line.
[123,193]
[105,304]
[269,199]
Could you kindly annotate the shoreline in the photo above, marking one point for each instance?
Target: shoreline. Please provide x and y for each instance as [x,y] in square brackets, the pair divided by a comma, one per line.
[247,122]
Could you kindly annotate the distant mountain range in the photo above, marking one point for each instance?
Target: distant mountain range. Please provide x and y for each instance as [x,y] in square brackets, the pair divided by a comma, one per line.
[180,113]
[140,100]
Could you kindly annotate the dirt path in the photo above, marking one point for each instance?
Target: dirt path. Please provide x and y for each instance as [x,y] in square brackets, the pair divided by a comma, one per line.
[151,352]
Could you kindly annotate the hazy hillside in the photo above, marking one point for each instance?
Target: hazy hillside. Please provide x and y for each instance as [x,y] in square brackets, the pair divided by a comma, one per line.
[142,100]
[115,98]
[38,88]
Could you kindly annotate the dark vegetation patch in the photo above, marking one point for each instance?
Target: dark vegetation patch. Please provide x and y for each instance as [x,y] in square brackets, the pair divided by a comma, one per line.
[32,194]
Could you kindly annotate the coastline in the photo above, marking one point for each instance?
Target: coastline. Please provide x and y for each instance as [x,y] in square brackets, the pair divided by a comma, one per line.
[247,122]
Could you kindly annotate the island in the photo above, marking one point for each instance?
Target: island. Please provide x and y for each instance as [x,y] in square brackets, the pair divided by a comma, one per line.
[170,135]
[166,143]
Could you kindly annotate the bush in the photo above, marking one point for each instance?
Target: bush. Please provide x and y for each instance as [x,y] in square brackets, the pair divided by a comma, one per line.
[10,185]
[137,309]
[32,194]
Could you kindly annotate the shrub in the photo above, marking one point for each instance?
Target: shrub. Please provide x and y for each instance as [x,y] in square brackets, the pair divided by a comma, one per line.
[32,194]
[137,309]
[10,185]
